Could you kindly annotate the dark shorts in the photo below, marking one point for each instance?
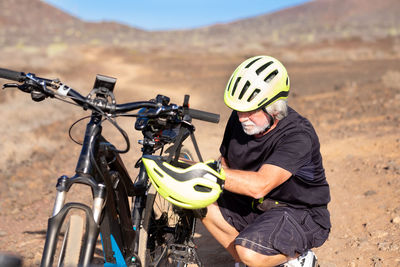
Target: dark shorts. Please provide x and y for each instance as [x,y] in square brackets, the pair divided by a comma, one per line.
[280,230]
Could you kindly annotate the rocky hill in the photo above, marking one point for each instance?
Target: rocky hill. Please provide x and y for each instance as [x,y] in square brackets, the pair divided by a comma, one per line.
[33,22]
[315,21]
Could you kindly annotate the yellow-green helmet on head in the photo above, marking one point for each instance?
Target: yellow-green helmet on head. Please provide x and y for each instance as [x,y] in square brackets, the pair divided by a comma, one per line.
[257,83]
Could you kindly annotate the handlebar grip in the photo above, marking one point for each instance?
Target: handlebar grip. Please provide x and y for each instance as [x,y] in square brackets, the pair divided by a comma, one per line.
[204,115]
[12,75]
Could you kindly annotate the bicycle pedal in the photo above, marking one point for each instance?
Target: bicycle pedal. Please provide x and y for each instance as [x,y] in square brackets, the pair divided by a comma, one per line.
[179,250]
[184,253]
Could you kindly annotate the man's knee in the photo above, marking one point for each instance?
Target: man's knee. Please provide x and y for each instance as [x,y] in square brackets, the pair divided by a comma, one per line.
[215,219]
[212,217]
[252,258]
[211,213]
[245,254]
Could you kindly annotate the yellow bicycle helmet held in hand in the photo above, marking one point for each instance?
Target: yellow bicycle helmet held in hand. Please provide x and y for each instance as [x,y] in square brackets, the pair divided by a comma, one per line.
[194,187]
[257,83]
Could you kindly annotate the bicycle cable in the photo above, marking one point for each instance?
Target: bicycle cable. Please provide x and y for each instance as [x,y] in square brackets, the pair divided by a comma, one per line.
[123,133]
[115,124]
[63,100]
[72,126]
[106,117]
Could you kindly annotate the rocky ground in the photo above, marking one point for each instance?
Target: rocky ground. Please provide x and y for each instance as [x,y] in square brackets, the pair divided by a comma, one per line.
[349,91]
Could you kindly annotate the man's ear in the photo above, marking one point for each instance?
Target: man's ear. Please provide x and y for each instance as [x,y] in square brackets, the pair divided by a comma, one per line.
[271,118]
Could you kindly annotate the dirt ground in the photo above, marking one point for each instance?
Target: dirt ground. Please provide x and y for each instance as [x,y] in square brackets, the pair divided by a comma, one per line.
[349,91]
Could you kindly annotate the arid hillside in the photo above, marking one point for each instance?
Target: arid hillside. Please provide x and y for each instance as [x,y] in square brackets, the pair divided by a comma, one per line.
[344,64]
[26,23]
[33,22]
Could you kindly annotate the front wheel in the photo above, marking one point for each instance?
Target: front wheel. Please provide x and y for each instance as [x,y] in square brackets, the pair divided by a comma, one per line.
[72,243]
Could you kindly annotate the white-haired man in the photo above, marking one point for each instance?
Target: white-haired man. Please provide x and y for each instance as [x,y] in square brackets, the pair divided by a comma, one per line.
[274,205]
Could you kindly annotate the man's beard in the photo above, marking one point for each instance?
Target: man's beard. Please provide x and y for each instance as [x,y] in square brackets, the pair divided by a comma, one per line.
[251,128]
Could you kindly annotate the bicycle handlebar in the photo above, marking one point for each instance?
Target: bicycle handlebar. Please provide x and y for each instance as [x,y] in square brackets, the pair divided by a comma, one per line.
[12,75]
[64,90]
[204,115]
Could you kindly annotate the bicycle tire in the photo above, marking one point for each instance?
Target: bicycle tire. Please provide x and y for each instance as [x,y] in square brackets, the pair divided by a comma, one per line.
[72,242]
[158,214]
[157,254]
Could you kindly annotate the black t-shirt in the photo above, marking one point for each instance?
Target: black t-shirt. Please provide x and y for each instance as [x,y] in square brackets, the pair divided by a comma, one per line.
[292,145]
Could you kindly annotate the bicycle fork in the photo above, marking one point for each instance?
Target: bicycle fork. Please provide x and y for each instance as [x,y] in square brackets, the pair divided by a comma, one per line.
[60,211]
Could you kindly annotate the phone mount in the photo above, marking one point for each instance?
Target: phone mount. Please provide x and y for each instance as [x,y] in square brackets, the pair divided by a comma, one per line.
[103,88]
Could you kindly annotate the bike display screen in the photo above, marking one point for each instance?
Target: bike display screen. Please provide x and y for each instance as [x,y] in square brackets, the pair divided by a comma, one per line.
[104,82]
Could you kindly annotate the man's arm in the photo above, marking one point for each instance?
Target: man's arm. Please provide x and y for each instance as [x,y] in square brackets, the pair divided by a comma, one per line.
[254,184]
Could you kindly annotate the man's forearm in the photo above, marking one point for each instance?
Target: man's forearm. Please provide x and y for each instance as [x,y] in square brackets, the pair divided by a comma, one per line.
[254,184]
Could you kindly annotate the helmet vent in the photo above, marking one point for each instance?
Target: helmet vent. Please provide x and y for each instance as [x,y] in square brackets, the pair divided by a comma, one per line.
[263,67]
[251,63]
[234,87]
[159,174]
[202,188]
[245,87]
[253,95]
[287,81]
[271,76]
[176,200]
[229,86]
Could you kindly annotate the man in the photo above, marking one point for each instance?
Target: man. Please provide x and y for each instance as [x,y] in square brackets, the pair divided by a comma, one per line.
[274,204]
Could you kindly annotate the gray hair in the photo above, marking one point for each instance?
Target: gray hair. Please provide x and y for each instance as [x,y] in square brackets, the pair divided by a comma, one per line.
[278,109]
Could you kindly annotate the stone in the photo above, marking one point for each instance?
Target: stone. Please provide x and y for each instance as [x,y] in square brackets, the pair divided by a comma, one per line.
[369,193]
[396,220]
[384,246]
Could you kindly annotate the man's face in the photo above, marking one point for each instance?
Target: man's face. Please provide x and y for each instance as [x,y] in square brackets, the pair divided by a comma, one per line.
[253,122]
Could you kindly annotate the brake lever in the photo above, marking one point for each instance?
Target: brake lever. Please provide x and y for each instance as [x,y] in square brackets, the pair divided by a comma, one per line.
[27,88]
[10,85]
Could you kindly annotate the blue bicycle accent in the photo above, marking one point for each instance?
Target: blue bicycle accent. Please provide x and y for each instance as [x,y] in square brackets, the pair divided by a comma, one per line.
[119,258]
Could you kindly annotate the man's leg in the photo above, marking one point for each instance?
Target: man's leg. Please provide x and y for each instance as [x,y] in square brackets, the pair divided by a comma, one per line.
[254,259]
[221,230]
[225,234]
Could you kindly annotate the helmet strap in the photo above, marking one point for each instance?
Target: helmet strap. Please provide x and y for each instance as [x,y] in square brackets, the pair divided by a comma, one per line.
[271,119]
[271,122]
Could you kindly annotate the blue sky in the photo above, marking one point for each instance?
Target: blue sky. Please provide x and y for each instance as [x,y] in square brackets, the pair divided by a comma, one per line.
[169,14]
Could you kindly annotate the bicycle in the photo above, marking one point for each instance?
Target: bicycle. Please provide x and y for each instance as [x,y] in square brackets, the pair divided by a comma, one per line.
[152,232]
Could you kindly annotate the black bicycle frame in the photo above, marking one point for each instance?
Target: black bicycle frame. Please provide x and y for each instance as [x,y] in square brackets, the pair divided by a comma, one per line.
[99,167]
